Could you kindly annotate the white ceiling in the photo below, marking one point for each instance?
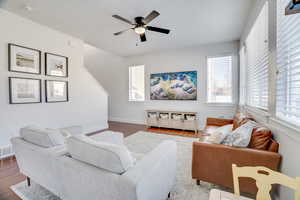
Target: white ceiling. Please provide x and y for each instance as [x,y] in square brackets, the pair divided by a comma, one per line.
[192,22]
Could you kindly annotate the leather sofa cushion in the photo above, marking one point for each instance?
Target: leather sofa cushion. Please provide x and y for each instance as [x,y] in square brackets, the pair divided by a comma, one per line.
[261,137]
[108,156]
[274,146]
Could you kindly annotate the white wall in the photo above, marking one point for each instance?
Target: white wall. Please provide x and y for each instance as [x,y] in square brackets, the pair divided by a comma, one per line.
[88,100]
[105,67]
[287,136]
[116,81]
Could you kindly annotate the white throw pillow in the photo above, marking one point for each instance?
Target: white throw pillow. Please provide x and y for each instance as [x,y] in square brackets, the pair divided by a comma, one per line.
[108,156]
[241,136]
[42,137]
[220,134]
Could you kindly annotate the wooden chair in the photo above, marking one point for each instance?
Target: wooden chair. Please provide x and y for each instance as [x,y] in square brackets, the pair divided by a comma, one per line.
[264,179]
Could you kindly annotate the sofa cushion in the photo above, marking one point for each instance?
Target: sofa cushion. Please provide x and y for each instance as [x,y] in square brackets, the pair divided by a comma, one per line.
[241,136]
[42,137]
[108,156]
[219,134]
[210,129]
[261,137]
[240,119]
[273,146]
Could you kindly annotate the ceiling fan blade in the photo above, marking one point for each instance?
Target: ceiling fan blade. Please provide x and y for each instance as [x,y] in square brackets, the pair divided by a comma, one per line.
[119,33]
[156,29]
[123,19]
[150,17]
[143,37]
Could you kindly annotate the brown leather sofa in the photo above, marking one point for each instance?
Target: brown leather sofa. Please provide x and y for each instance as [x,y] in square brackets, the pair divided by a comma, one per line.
[212,162]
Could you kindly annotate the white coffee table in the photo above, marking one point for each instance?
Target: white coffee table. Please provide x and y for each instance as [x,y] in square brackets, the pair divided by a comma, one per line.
[221,195]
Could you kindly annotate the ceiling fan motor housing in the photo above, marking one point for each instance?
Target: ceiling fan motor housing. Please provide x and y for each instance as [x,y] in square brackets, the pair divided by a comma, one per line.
[139,21]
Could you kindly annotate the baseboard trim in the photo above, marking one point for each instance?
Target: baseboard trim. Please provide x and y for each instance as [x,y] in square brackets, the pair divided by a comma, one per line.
[129,121]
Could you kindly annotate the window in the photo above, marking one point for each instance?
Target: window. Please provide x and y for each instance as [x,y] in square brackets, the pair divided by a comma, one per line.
[219,79]
[136,83]
[257,57]
[288,65]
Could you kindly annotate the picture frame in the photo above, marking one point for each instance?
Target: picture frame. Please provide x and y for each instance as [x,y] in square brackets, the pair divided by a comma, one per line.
[56,65]
[174,86]
[56,91]
[25,90]
[293,7]
[24,59]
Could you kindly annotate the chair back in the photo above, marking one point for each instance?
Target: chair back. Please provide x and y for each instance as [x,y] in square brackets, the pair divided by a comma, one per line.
[264,179]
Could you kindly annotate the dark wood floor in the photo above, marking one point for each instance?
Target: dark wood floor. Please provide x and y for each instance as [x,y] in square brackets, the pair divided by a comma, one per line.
[9,171]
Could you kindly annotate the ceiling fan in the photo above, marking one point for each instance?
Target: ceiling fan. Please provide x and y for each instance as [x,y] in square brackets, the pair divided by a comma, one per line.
[140,25]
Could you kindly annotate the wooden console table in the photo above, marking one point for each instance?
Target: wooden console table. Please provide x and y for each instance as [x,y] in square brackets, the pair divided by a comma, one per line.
[172,119]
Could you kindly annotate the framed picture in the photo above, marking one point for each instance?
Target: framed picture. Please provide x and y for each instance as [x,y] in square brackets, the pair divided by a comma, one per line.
[56,91]
[174,86]
[24,59]
[293,7]
[24,90]
[56,65]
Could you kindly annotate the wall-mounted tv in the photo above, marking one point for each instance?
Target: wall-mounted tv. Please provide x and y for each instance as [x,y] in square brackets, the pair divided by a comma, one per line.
[174,86]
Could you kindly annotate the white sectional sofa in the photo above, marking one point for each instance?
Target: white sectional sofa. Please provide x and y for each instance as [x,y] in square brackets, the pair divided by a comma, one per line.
[149,178]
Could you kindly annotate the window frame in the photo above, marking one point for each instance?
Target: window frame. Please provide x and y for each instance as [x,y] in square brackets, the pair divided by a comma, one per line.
[233,92]
[129,83]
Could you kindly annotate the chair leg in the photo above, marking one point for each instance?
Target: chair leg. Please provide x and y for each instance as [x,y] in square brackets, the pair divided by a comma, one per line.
[198,182]
[28,181]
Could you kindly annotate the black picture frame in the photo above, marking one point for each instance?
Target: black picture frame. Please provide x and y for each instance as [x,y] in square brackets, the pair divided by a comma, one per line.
[10,79]
[46,91]
[296,1]
[10,45]
[46,65]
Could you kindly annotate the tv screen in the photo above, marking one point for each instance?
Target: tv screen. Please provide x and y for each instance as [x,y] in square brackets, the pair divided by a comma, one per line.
[174,86]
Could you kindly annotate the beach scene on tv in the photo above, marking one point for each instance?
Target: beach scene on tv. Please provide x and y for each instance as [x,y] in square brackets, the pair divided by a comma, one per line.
[174,86]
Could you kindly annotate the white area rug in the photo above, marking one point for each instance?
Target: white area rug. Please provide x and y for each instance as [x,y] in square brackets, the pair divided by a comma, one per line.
[142,142]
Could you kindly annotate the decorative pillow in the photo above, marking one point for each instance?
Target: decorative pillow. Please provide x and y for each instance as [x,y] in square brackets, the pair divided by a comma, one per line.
[108,156]
[241,136]
[42,137]
[261,138]
[218,135]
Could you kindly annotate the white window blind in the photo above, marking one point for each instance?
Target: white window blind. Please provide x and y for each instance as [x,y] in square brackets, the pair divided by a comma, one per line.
[242,76]
[257,62]
[219,73]
[136,83]
[288,64]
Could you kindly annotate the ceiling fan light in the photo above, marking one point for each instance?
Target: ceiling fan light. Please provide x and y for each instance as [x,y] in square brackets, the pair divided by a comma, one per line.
[140,30]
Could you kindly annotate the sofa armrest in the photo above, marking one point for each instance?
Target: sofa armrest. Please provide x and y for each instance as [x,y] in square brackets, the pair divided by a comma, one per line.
[218,122]
[154,175]
[213,163]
